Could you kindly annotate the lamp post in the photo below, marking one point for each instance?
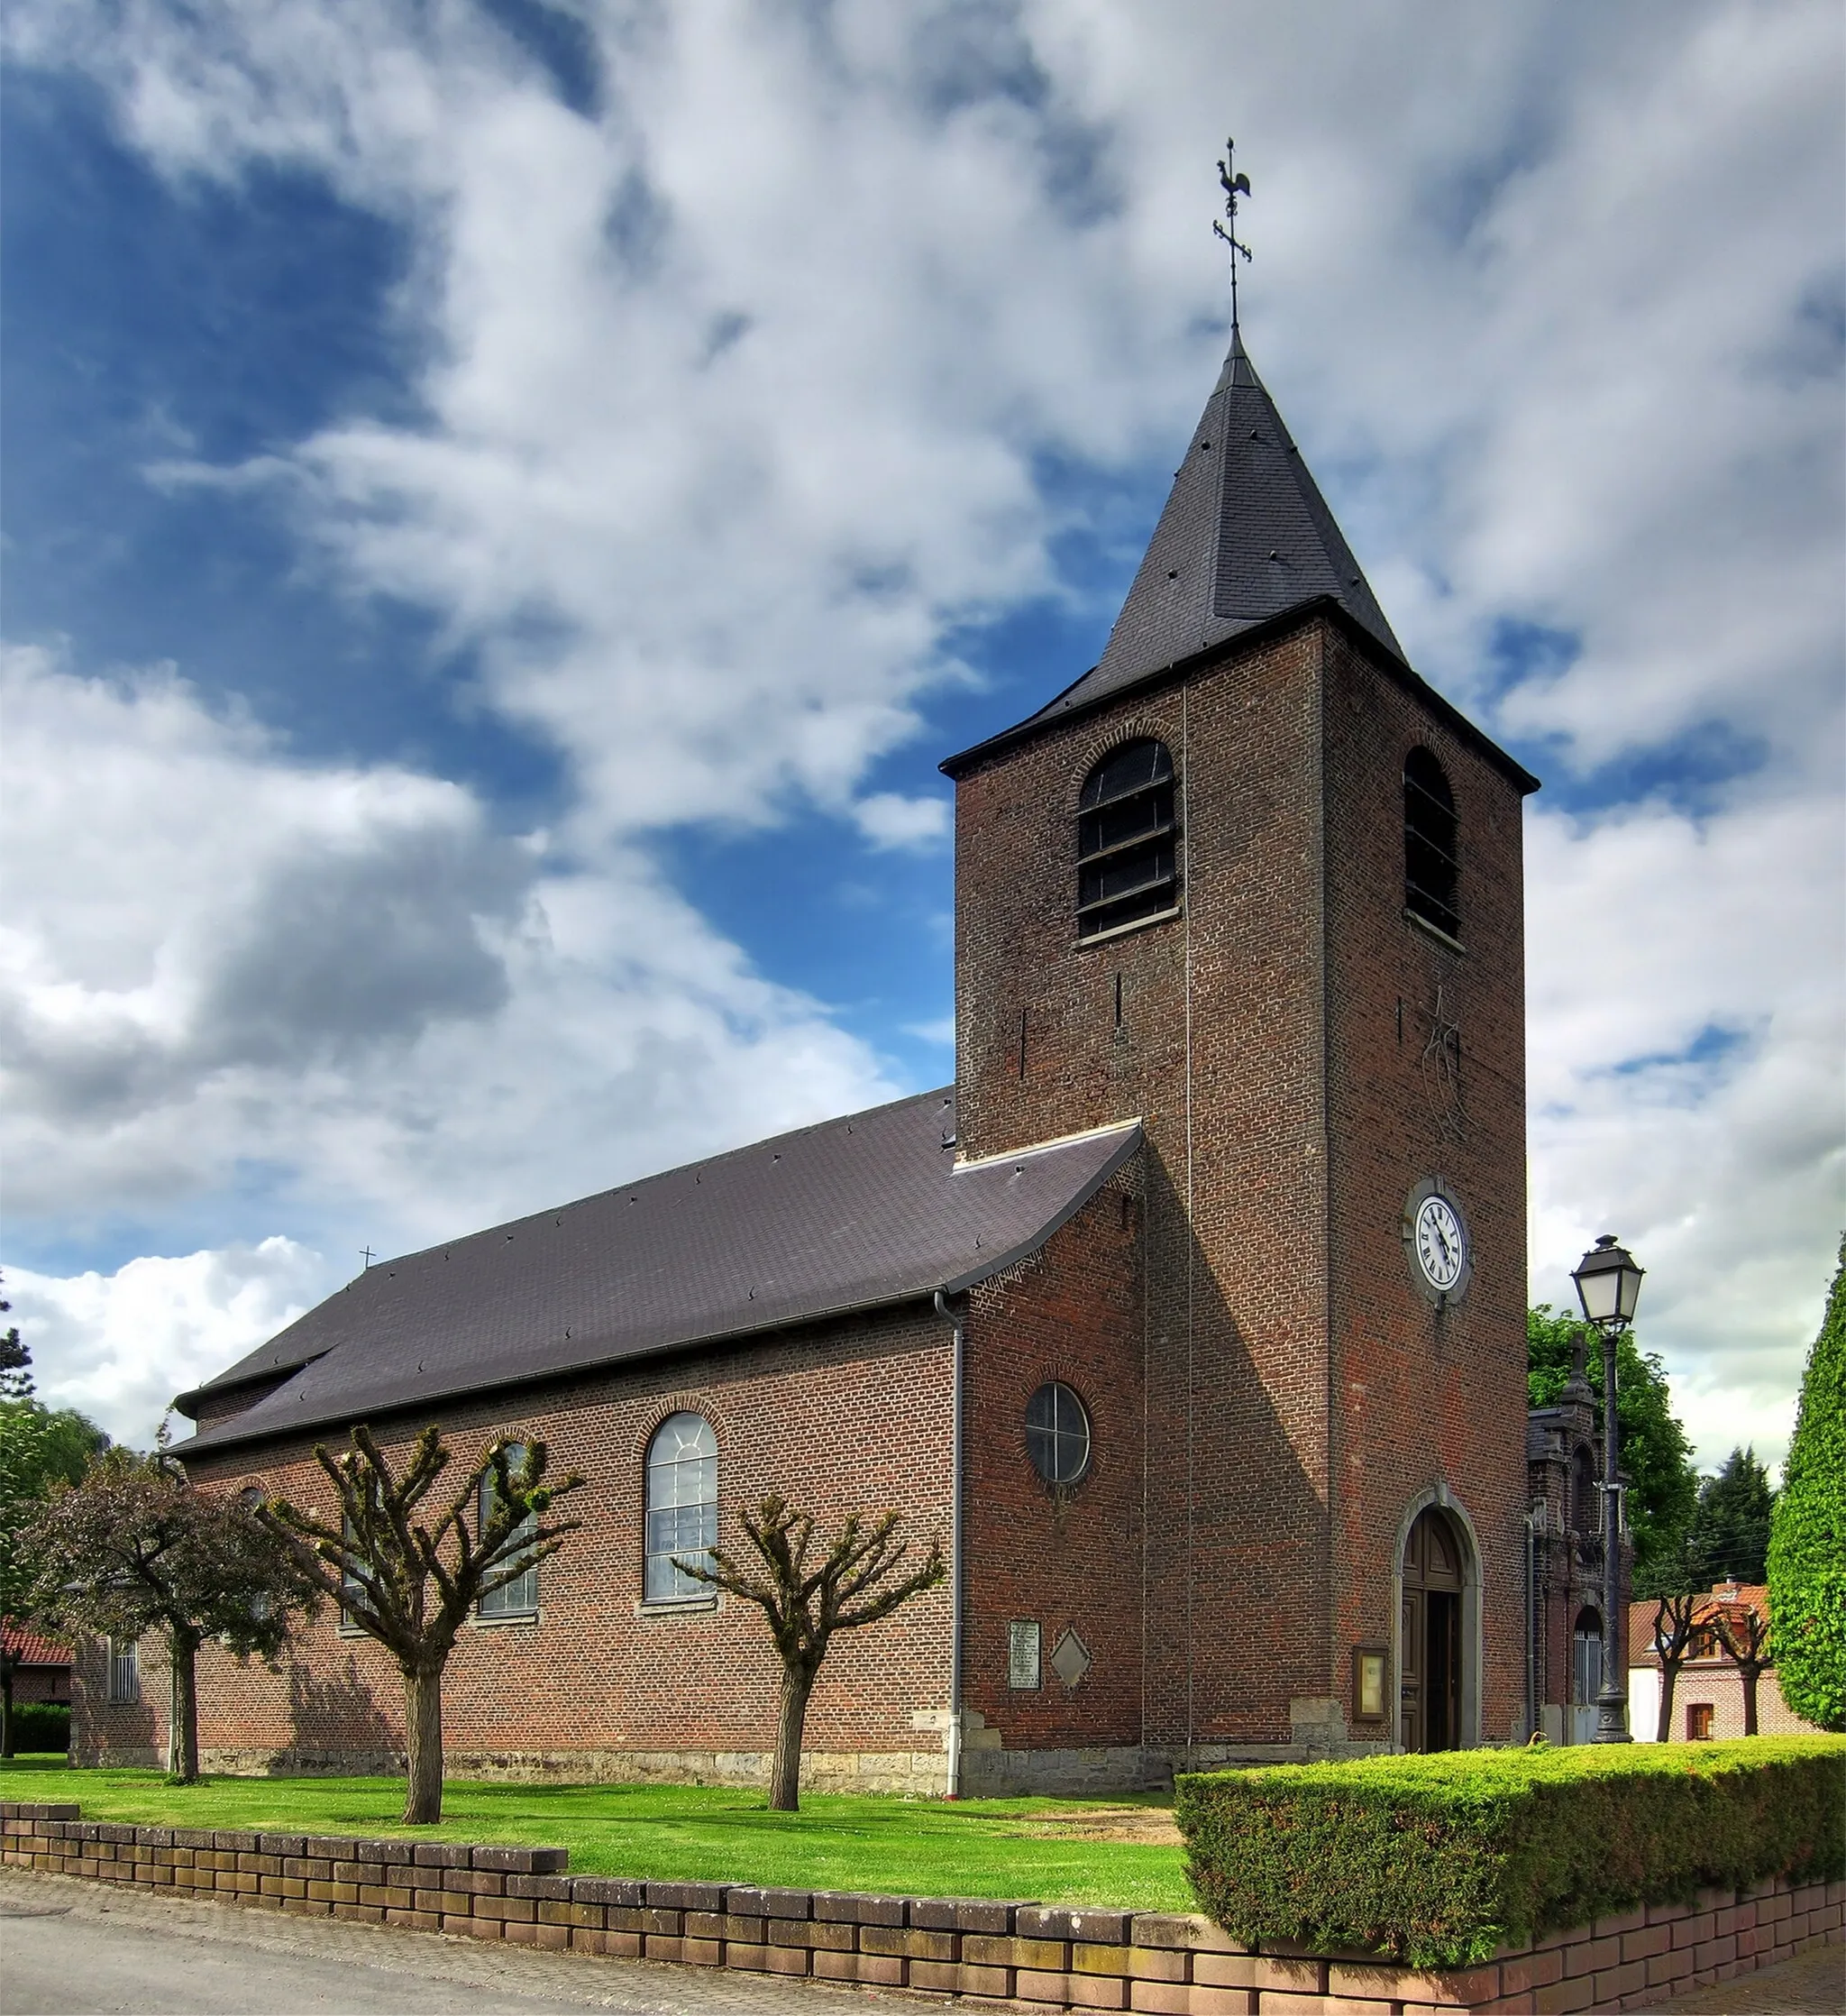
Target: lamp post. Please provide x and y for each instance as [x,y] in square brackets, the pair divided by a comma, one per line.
[1608,1285]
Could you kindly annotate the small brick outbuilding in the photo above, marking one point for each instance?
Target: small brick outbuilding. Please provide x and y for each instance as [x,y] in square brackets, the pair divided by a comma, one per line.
[1191,1314]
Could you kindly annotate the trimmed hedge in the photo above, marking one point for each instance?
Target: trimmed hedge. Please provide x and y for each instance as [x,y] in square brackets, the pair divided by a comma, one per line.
[1436,1861]
[40,1728]
[1807,1540]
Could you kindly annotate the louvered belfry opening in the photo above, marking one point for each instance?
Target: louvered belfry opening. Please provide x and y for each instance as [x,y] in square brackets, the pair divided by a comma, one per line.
[1128,839]
[1430,870]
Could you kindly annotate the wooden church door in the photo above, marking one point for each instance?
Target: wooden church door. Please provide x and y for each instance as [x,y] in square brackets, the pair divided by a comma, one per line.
[1430,1681]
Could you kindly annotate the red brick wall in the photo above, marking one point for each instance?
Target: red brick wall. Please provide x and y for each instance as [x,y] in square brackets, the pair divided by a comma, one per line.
[1278,1465]
[1422,1397]
[1235,1301]
[841,1417]
[1069,1559]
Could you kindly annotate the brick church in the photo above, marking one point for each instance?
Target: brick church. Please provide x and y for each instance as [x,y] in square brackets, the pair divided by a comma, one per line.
[1191,1316]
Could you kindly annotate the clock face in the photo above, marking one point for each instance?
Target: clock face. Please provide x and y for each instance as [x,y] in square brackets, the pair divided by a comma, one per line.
[1440,1243]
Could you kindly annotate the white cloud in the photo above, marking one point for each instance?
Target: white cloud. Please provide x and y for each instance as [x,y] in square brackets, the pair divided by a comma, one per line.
[736,397]
[889,820]
[1688,1077]
[219,956]
[119,1346]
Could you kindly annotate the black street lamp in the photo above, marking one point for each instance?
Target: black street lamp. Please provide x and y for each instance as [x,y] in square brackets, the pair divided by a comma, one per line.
[1608,1285]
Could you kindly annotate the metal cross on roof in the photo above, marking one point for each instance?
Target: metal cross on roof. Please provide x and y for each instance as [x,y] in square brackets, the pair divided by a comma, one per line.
[1234,184]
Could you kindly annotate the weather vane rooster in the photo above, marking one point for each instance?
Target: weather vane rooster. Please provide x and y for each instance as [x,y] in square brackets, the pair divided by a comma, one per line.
[1234,184]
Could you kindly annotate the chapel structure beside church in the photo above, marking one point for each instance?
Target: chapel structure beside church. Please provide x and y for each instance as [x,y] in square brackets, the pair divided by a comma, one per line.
[1193,1313]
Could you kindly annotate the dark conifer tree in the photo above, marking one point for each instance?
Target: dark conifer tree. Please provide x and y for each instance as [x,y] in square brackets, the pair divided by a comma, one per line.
[1729,1538]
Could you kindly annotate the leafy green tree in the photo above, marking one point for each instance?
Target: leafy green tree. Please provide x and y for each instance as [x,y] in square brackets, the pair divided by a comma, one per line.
[1730,1536]
[135,1547]
[39,1446]
[1807,1542]
[1655,1454]
[412,1586]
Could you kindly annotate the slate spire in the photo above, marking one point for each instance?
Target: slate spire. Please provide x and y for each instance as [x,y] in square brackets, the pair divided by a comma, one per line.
[1245,535]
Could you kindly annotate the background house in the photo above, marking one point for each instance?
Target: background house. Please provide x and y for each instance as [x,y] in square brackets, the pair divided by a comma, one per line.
[1708,1697]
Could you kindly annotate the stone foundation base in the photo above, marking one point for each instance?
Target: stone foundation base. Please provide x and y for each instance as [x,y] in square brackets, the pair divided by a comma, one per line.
[987,1772]
[1132,1768]
[918,1773]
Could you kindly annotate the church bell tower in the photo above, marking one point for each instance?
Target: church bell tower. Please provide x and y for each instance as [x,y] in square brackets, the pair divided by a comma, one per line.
[1252,881]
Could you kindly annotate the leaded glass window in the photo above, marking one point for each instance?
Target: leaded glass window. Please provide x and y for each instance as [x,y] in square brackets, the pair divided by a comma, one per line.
[352,1589]
[1057,1434]
[518,1598]
[681,1506]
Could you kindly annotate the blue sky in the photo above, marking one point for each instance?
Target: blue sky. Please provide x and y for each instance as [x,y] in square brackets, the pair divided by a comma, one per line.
[506,507]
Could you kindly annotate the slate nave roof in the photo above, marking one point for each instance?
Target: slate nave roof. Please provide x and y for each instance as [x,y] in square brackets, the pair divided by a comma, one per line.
[852,1214]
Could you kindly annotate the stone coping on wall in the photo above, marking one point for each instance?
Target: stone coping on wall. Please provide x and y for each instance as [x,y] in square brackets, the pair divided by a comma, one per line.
[1164,1964]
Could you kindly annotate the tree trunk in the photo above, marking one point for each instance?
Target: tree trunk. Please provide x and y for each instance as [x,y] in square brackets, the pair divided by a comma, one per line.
[1749,1675]
[423,1730]
[1670,1678]
[182,1714]
[785,1772]
[6,1712]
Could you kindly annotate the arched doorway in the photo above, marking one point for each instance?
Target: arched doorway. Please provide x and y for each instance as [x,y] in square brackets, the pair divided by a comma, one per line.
[1430,1673]
[1586,1674]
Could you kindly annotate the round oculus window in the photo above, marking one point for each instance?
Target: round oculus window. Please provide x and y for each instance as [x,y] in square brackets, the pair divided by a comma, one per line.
[1057,1434]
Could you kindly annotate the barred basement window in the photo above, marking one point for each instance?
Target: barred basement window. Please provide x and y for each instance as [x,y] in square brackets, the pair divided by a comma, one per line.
[1057,1434]
[1430,869]
[124,1671]
[518,1598]
[681,1506]
[1128,839]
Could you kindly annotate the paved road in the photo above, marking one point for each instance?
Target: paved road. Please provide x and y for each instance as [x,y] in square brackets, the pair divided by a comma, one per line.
[74,1948]
[1813,1984]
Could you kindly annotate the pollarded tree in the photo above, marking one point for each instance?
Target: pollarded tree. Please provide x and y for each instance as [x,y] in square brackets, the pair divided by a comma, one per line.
[135,1547]
[411,1586]
[1746,1638]
[805,1610]
[1807,1542]
[1675,1628]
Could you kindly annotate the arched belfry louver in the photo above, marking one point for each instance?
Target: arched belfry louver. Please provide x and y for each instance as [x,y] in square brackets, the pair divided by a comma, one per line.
[1128,839]
[1430,871]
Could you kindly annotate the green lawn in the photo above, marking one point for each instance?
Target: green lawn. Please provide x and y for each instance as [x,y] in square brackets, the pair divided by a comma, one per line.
[997,1847]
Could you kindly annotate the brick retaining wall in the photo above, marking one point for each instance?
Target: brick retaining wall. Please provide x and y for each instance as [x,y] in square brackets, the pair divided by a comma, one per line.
[1164,1964]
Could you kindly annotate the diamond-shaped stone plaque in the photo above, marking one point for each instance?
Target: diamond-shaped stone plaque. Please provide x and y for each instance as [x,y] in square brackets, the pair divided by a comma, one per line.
[1070,1659]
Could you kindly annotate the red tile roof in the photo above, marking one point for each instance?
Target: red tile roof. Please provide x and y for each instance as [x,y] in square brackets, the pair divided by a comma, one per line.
[30,1648]
[1712,1603]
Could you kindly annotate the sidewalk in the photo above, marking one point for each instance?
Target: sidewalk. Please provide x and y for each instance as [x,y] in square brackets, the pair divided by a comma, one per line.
[68,1947]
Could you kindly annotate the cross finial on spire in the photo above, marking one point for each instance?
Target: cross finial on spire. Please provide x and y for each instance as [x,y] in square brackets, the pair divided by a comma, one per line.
[1234,184]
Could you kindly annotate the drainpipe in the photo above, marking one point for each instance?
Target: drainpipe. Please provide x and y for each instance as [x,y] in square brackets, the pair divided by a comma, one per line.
[1536,1523]
[955,1549]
